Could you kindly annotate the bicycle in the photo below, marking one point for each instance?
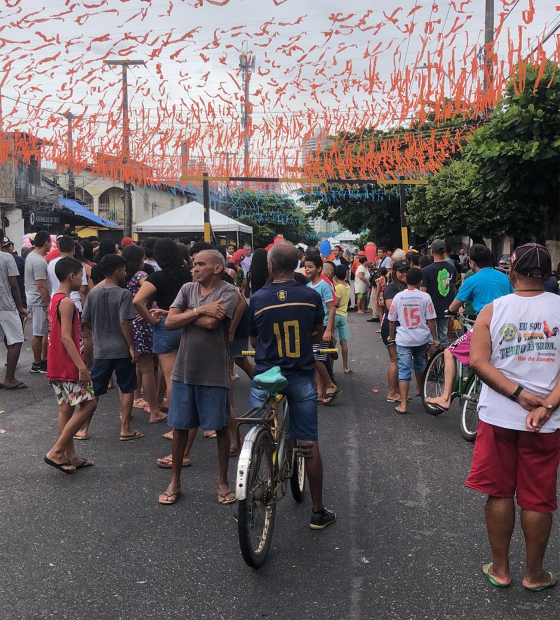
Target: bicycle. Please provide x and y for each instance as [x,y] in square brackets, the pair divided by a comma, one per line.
[269,460]
[466,387]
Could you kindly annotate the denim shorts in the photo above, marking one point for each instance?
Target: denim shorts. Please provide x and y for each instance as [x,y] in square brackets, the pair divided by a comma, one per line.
[165,341]
[441,328]
[198,405]
[409,359]
[302,402]
[102,371]
[340,327]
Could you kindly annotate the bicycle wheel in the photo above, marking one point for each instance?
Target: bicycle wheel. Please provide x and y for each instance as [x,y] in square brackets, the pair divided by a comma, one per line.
[469,409]
[256,513]
[297,481]
[432,381]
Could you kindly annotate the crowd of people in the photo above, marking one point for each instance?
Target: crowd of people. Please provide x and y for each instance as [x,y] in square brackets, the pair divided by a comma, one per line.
[167,322]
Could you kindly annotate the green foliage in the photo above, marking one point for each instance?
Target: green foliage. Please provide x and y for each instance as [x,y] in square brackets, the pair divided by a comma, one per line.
[516,156]
[377,216]
[270,214]
[446,208]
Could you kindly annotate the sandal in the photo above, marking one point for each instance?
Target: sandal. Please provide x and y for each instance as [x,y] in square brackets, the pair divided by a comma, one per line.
[169,497]
[167,462]
[135,435]
[553,581]
[84,463]
[227,498]
[486,571]
[330,396]
[60,466]
[140,403]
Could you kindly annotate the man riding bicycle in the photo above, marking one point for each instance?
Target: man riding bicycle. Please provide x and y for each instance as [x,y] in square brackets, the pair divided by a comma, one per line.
[285,320]
[482,288]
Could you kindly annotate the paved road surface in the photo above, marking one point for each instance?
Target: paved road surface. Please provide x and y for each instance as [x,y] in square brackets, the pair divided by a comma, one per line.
[408,545]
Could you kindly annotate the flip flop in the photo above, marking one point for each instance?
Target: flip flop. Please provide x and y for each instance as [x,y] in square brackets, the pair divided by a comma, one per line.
[320,398]
[348,372]
[84,463]
[492,580]
[211,436]
[399,411]
[166,463]
[393,400]
[137,435]
[81,437]
[222,498]
[20,386]
[157,421]
[59,465]
[550,584]
[329,397]
[171,497]
[435,405]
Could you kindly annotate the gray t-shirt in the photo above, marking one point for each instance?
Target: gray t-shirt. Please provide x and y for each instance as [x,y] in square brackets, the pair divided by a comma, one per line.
[203,356]
[8,268]
[35,269]
[105,307]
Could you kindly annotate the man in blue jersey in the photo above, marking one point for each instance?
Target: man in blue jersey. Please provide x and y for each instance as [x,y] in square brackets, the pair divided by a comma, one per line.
[481,289]
[285,320]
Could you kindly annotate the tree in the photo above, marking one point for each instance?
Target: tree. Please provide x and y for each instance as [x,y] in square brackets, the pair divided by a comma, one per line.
[375,213]
[446,207]
[270,214]
[516,155]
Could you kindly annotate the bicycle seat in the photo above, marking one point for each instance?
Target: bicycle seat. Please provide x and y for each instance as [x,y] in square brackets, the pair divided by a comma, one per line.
[273,381]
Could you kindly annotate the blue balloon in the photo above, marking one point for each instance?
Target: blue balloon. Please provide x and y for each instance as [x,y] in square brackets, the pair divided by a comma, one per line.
[325,248]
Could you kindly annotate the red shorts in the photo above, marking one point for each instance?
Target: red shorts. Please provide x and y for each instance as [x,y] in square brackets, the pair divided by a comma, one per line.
[507,463]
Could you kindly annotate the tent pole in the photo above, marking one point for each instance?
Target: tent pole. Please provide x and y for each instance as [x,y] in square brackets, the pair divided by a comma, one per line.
[238,237]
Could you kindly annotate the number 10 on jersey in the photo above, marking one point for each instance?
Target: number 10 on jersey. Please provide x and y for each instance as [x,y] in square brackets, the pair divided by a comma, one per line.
[287,338]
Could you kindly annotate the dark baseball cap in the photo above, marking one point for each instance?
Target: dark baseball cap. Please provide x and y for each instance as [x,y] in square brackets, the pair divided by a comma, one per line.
[438,246]
[400,265]
[529,257]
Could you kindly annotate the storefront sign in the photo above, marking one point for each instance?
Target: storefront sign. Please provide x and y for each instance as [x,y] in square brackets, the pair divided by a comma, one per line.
[40,218]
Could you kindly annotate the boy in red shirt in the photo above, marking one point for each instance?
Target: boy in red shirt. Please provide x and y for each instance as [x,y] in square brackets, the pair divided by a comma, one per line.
[67,372]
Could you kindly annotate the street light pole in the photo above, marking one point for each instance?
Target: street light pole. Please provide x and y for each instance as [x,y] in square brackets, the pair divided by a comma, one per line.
[127,219]
[247,63]
[71,178]
[488,44]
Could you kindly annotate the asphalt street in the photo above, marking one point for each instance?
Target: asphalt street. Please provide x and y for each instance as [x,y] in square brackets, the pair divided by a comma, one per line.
[409,542]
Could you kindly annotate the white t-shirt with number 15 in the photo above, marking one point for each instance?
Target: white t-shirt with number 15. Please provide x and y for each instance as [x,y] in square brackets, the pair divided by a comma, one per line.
[412,308]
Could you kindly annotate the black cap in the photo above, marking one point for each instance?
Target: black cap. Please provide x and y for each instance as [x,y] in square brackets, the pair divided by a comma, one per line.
[438,246]
[400,265]
[530,257]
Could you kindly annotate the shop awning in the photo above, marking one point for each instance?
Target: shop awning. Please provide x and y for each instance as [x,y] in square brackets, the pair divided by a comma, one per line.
[80,210]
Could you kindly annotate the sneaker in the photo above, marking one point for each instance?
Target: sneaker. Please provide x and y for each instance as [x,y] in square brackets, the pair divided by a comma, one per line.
[320,520]
[39,368]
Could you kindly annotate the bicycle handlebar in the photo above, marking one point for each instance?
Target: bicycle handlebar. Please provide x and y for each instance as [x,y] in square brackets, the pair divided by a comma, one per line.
[320,351]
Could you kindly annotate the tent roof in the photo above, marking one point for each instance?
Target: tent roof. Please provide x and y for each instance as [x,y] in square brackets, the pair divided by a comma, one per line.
[190,218]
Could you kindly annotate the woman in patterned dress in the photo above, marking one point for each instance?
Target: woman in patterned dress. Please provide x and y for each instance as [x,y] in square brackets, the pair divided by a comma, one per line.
[142,334]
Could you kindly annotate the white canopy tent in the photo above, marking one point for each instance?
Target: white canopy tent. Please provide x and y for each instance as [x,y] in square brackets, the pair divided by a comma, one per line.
[190,219]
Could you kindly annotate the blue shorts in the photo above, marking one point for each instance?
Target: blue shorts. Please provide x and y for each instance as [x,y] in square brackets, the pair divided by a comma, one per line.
[165,341]
[102,371]
[411,358]
[340,327]
[198,405]
[302,402]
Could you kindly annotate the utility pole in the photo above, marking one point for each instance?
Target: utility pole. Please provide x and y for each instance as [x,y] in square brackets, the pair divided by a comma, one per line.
[247,63]
[71,178]
[127,220]
[488,44]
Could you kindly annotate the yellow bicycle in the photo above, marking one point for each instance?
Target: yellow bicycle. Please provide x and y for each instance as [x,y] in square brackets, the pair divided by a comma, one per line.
[270,460]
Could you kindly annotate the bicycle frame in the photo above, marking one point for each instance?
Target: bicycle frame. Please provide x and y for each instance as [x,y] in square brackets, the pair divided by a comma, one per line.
[266,415]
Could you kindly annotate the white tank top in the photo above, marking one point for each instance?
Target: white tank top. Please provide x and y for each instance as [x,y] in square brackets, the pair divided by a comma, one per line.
[525,336]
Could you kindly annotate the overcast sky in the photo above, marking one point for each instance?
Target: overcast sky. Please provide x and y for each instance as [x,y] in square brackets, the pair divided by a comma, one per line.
[309,58]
